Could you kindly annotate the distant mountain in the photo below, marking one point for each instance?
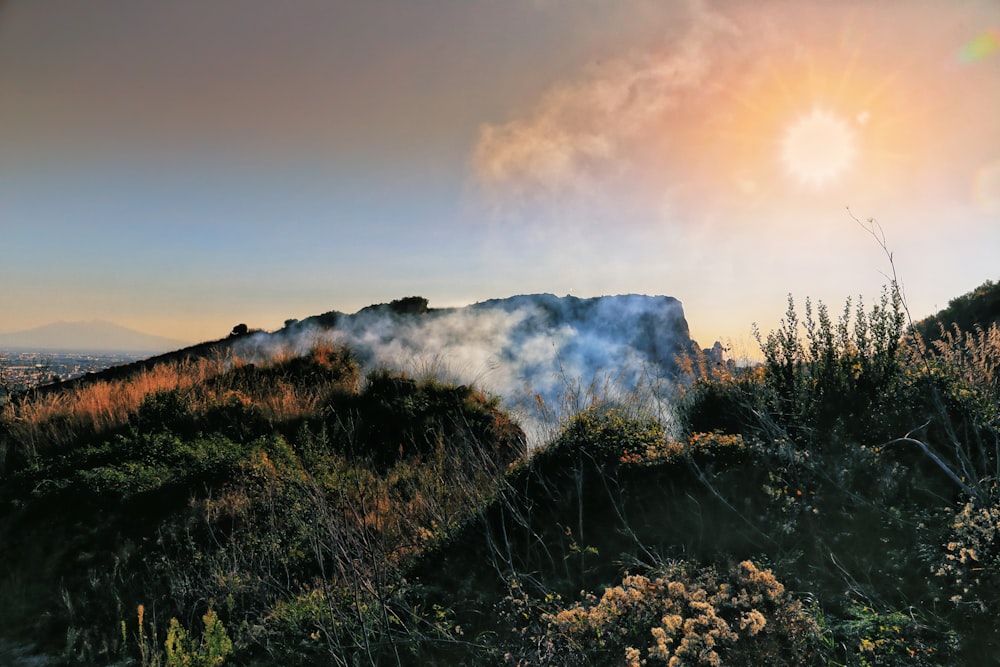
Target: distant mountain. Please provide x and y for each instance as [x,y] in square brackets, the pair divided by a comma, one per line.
[92,336]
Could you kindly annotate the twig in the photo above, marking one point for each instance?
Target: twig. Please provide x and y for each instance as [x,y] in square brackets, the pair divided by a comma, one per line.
[936,459]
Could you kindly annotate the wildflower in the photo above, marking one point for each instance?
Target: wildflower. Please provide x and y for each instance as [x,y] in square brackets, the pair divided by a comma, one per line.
[754,621]
[672,623]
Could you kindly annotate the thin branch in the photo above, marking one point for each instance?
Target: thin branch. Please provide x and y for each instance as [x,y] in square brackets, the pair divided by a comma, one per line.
[937,460]
[875,230]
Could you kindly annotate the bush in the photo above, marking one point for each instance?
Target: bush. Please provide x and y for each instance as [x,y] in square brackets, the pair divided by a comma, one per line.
[675,614]
[165,410]
[179,648]
[605,437]
[397,418]
[818,374]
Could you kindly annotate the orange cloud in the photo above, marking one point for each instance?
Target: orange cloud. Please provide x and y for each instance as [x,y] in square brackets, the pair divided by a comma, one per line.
[579,129]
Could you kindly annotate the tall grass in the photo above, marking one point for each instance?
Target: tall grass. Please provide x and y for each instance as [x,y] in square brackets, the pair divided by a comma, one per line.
[39,424]
[36,425]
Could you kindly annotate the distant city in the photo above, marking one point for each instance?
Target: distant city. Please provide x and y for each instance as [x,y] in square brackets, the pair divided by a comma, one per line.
[20,370]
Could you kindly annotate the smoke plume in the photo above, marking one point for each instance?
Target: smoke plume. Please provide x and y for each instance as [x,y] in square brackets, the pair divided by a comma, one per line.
[544,356]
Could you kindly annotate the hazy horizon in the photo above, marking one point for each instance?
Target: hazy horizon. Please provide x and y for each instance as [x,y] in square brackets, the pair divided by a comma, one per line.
[88,335]
[181,167]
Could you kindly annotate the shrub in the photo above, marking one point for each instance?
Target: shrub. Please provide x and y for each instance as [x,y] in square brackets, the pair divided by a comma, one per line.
[971,559]
[818,373]
[606,437]
[215,645]
[179,647]
[674,615]
[164,410]
[872,637]
[397,418]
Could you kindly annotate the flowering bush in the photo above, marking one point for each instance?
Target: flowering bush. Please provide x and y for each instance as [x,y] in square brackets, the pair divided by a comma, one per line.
[971,562]
[676,615]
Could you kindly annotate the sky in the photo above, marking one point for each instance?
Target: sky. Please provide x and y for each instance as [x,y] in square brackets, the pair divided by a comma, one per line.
[180,167]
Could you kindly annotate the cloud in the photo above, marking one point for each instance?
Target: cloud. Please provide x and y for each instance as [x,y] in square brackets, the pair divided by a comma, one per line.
[579,131]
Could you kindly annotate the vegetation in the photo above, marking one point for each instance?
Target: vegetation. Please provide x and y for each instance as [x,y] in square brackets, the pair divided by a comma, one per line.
[882,457]
[980,307]
[279,503]
[838,504]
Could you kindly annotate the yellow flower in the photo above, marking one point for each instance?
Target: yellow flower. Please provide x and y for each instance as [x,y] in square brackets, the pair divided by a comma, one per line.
[754,621]
[672,623]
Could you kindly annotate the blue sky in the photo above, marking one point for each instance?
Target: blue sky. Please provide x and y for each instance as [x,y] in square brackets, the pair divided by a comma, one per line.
[181,167]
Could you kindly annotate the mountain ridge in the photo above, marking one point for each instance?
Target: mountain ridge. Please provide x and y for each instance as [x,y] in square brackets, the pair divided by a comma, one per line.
[502,344]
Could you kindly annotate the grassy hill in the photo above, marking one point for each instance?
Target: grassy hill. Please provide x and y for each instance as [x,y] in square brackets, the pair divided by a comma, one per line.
[837,505]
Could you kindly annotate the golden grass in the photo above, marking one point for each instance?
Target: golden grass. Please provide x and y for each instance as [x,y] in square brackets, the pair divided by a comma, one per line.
[40,424]
[108,402]
[974,355]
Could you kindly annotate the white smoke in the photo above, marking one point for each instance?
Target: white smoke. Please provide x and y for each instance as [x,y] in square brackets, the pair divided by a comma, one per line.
[545,357]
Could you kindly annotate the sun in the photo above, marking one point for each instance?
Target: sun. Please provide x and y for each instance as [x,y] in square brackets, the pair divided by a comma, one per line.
[818,147]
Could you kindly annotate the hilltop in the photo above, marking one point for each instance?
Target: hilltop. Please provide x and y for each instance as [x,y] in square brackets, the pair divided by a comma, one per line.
[522,348]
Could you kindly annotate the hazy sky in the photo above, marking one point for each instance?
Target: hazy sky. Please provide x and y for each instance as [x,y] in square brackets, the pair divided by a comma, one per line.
[182,166]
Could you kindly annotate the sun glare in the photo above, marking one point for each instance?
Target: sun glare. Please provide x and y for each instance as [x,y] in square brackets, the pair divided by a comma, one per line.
[817,148]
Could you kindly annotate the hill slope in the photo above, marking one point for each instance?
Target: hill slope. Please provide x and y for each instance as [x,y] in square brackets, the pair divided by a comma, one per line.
[532,350]
[275,485]
[979,307]
[524,348]
[837,505]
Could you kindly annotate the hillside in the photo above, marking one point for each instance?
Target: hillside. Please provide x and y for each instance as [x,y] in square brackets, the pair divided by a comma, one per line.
[536,351]
[836,505]
[131,501]
[507,343]
[980,307]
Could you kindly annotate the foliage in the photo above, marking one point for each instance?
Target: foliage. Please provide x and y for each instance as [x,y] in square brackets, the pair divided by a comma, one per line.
[676,614]
[215,644]
[888,637]
[348,520]
[607,437]
[287,490]
[980,307]
[882,460]
[971,560]
[819,373]
[179,647]
[967,364]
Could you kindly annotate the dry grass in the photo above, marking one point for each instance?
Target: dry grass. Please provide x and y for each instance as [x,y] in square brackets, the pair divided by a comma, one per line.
[973,355]
[38,425]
